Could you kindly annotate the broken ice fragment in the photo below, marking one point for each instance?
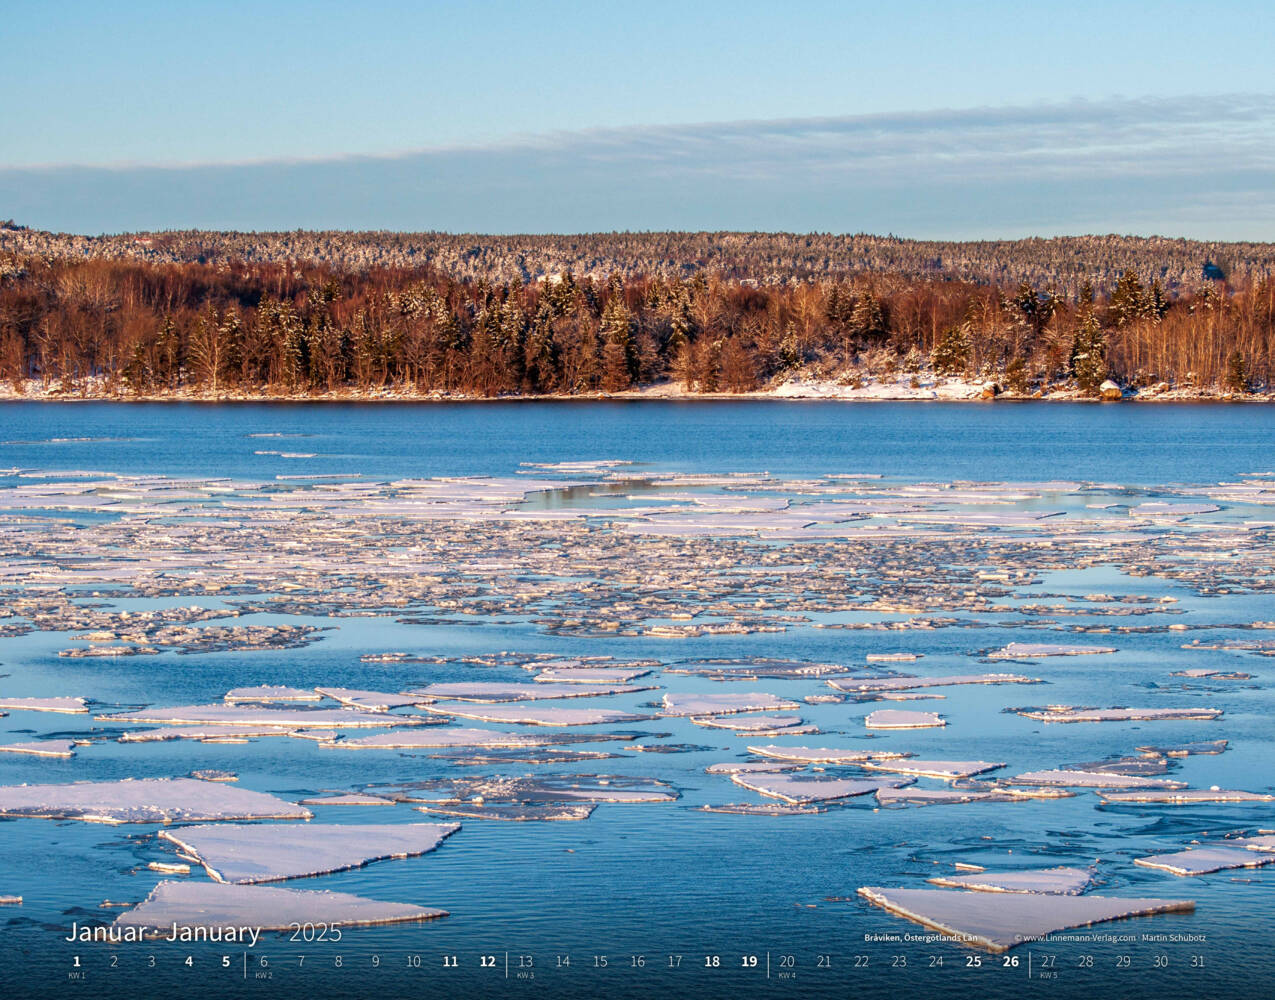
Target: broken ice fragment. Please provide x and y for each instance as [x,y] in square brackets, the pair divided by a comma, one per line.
[144,800]
[825,755]
[68,706]
[234,852]
[372,701]
[1050,881]
[893,718]
[270,692]
[1032,650]
[798,789]
[1184,749]
[1065,713]
[487,692]
[219,907]
[873,684]
[348,800]
[42,748]
[999,921]
[555,813]
[946,769]
[724,704]
[239,715]
[1203,860]
[1187,796]
[542,716]
[1093,779]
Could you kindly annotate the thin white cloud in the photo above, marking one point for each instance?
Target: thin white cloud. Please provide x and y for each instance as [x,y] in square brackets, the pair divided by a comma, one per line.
[978,171]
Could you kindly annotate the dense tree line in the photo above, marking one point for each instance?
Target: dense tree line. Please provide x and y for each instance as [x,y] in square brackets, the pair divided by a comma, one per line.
[766,258]
[149,328]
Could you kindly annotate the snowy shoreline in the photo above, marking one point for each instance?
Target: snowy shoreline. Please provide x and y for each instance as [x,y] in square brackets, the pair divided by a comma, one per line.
[863,388]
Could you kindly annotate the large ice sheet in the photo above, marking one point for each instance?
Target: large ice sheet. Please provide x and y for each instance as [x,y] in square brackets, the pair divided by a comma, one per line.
[444,738]
[41,748]
[144,800]
[1187,796]
[242,853]
[998,922]
[216,906]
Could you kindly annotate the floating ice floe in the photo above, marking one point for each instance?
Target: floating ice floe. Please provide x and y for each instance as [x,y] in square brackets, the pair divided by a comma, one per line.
[1184,749]
[946,769]
[882,684]
[235,852]
[353,799]
[747,723]
[590,675]
[751,767]
[764,809]
[893,718]
[801,789]
[239,715]
[1161,509]
[218,907]
[495,692]
[1065,713]
[825,755]
[208,734]
[541,716]
[68,706]
[1187,796]
[723,704]
[371,701]
[211,774]
[41,748]
[438,739]
[1049,881]
[1204,860]
[942,796]
[1033,650]
[1092,779]
[270,692]
[998,922]
[556,813]
[144,800]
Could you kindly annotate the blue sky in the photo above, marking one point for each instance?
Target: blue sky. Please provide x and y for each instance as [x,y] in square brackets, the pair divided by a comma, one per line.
[925,119]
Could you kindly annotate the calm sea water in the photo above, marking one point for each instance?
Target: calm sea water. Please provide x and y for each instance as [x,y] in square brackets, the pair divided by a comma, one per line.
[623,891]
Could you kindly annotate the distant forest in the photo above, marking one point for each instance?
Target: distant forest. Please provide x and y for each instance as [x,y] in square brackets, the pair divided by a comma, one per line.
[320,312]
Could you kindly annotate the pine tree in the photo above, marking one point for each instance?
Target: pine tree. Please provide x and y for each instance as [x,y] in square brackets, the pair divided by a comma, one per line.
[952,353]
[1237,373]
[1088,355]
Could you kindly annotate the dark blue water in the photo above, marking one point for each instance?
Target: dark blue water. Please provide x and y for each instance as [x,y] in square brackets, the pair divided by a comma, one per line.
[1143,443]
[646,901]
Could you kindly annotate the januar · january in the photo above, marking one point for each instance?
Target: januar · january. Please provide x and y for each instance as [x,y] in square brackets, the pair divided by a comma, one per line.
[229,933]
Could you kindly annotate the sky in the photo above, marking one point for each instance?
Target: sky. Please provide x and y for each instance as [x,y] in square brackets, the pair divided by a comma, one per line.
[925,119]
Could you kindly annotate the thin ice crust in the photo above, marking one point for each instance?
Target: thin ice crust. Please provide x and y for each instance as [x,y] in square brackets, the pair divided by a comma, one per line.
[997,922]
[215,905]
